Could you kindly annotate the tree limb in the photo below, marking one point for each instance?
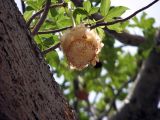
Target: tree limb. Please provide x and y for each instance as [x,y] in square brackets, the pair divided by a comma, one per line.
[142,102]
[158,38]
[42,19]
[78,3]
[126,38]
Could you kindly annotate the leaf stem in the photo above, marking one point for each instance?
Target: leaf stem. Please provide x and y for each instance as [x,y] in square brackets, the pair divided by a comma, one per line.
[54,31]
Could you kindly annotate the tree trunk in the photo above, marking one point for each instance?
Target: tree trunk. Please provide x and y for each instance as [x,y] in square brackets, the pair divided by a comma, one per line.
[27,88]
[142,103]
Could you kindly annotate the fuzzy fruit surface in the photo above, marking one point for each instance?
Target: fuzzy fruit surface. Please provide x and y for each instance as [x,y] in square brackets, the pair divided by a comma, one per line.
[81,46]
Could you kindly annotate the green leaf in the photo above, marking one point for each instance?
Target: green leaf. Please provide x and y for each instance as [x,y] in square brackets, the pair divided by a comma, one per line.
[87,5]
[79,11]
[135,19]
[104,8]
[78,19]
[116,12]
[53,12]
[93,10]
[63,21]
[35,4]
[37,39]
[147,23]
[27,15]
[117,27]
[48,41]
[56,38]
[29,8]
[100,32]
[143,17]
[124,24]
[52,59]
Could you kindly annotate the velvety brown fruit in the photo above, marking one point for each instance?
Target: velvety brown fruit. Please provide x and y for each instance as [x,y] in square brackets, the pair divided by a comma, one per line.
[81,46]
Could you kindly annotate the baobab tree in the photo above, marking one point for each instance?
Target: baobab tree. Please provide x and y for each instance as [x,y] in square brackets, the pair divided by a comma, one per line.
[28,61]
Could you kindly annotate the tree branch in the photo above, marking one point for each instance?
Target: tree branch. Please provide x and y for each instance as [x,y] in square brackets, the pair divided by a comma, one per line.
[78,2]
[125,19]
[142,102]
[54,31]
[42,19]
[51,48]
[39,12]
[157,40]
[126,38]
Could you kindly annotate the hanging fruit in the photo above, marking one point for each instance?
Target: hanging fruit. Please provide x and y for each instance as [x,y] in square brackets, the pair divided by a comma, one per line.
[81,46]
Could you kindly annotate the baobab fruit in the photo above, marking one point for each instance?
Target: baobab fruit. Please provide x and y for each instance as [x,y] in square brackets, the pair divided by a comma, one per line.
[81,46]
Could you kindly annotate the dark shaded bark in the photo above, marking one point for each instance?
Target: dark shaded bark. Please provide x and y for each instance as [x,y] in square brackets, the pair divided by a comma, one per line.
[27,88]
[126,38]
[142,103]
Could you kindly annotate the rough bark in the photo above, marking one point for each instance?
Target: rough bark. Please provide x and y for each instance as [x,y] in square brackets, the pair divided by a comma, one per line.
[27,88]
[142,103]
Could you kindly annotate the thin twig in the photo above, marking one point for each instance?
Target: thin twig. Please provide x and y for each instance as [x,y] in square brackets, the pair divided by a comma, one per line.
[39,12]
[54,31]
[125,19]
[42,19]
[51,48]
